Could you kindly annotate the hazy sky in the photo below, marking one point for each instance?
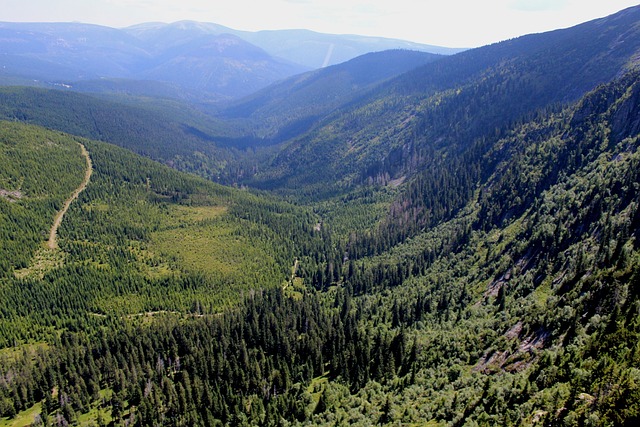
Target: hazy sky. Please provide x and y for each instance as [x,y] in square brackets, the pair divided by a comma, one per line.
[454,23]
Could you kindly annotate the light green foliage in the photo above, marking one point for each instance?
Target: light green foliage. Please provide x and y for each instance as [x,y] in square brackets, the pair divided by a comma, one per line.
[140,238]
[40,169]
[216,246]
[23,419]
[484,272]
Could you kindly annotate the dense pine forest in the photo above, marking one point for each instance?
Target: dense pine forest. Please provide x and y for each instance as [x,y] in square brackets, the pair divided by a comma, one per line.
[452,246]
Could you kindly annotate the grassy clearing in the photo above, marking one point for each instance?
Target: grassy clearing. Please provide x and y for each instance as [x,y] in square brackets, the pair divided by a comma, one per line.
[212,249]
[24,418]
[317,386]
[28,416]
[154,266]
[200,239]
[357,211]
[195,214]
[10,354]
[45,259]
[91,417]
[295,289]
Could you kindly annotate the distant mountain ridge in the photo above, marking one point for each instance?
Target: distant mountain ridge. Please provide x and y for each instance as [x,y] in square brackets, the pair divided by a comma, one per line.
[307,48]
[211,67]
[463,246]
[287,107]
[186,136]
[449,104]
[208,62]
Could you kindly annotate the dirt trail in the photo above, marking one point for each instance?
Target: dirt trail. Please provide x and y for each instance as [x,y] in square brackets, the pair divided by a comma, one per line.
[53,234]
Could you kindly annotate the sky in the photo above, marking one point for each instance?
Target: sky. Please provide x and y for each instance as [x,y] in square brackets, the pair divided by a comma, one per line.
[451,23]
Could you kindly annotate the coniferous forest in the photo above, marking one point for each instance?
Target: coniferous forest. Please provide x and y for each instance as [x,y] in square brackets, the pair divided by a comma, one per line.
[455,244]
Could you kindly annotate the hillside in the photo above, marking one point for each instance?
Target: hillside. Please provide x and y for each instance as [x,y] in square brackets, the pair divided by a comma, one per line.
[288,108]
[521,309]
[190,137]
[446,107]
[462,250]
[409,154]
[30,200]
[137,222]
[174,133]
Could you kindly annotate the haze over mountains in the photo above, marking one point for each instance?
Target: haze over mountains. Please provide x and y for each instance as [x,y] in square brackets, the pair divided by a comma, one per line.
[401,238]
[185,59]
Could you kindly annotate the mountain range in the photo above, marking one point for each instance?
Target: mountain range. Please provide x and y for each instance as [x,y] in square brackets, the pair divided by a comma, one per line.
[189,60]
[401,238]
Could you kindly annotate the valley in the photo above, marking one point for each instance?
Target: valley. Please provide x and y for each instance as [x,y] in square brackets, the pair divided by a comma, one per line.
[403,238]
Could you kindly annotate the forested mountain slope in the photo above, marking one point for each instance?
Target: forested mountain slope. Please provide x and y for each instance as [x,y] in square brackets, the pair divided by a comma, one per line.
[141,236]
[30,200]
[431,117]
[466,254]
[174,133]
[521,309]
[288,108]
[189,138]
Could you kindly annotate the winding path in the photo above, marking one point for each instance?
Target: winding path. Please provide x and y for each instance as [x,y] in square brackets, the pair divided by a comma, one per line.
[52,243]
